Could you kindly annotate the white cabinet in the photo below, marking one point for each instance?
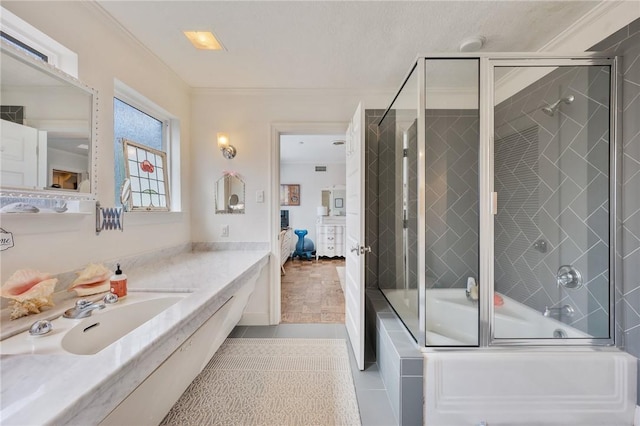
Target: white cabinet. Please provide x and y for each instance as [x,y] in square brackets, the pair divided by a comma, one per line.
[330,236]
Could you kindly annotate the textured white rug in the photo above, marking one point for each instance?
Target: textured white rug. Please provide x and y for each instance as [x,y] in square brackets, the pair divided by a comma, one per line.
[340,270]
[271,382]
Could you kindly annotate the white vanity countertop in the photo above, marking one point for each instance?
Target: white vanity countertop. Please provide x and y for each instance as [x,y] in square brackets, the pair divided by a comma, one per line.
[41,389]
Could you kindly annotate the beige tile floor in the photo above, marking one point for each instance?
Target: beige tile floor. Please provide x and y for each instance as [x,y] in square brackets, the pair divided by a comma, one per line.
[311,293]
[373,401]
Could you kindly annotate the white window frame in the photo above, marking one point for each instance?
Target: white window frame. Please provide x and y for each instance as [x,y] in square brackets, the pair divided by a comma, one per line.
[57,55]
[170,136]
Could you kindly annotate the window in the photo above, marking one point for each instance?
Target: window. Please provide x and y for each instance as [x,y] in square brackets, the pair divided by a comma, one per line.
[143,135]
[29,39]
[23,46]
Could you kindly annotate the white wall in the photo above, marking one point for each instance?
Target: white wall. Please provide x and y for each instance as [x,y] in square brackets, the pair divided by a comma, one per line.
[104,52]
[311,185]
[248,117]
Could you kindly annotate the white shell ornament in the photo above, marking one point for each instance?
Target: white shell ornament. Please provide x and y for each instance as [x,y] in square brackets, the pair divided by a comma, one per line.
[92,280]
[29,291]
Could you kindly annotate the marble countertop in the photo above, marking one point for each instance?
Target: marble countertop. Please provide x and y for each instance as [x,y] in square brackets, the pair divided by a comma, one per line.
[83,389]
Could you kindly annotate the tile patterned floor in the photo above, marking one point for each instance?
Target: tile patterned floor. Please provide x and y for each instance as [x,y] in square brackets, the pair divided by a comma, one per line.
[373,402]
[311,293]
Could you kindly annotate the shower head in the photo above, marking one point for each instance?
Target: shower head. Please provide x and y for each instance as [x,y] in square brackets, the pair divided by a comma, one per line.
[551,109]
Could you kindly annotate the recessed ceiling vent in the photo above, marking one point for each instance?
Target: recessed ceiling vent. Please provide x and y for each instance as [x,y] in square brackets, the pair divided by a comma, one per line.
[321,168]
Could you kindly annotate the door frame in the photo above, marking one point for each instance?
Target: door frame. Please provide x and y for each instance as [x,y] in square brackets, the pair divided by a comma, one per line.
[278,129]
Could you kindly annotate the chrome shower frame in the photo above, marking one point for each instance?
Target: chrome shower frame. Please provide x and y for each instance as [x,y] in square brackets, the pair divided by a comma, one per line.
[488,62]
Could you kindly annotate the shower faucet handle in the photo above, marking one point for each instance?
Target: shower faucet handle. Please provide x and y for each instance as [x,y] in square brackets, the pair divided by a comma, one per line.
[569,277]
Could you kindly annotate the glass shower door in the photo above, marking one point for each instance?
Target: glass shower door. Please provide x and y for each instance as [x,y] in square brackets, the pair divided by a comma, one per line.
[552,177]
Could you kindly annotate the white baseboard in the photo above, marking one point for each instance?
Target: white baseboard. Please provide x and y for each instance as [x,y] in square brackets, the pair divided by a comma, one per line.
[254,318]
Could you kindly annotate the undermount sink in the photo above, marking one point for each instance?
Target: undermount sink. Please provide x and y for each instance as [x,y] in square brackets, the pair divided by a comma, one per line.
[90,335]
[95,333]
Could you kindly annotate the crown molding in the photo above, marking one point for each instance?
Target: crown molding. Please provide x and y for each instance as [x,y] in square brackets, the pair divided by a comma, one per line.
[108,19]
[596,25]
[280,91]
[593,27]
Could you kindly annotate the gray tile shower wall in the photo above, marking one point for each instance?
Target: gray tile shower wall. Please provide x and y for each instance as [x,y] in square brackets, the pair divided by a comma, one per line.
[452,199]
[390,253]
[372,118]
[412,206]
[626,43]
[452,140]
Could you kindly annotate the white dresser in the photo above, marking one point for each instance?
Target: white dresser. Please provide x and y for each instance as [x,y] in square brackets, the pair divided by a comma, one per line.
[330,236]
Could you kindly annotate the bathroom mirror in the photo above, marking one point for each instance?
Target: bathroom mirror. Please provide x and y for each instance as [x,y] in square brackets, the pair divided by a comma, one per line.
[230,194]
[48,131]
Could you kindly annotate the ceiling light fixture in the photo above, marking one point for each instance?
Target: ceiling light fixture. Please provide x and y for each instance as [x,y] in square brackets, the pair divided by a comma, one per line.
[472,44]
[204,40]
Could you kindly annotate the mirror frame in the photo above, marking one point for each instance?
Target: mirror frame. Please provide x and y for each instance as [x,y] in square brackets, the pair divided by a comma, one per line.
[226,209]
[17,192]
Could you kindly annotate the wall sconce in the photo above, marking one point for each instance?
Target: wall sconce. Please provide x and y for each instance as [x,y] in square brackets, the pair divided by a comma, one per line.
[228,151]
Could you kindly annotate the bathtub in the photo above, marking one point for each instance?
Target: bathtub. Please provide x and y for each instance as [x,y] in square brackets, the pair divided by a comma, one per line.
[452,320]
[565,386]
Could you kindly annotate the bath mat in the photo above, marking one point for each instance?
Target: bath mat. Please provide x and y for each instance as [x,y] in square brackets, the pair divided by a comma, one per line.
[271,382]
[340,270]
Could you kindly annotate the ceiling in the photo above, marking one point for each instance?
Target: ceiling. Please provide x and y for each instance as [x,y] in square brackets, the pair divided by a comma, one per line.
[312,149]
[331,44]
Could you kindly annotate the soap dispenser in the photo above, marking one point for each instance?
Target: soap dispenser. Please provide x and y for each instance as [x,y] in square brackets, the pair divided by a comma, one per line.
[119,283]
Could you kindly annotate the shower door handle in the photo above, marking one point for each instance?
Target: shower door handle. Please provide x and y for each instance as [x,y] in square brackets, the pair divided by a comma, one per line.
[356,248]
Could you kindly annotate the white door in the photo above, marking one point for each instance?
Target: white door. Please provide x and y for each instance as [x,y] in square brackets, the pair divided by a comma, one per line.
[18,150]
[354,276]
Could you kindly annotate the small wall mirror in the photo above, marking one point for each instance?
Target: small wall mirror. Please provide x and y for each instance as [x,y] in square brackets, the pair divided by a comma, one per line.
[229,194]
[334,199]
[47,131]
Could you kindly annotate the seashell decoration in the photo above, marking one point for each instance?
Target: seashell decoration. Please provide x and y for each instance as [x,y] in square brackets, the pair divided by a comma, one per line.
[29,291]
[91,280]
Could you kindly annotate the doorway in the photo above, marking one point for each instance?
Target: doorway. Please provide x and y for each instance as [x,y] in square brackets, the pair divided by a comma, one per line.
[312,167]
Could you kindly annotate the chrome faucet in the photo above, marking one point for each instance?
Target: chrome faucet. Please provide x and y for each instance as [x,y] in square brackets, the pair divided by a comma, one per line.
[559,312]
[84,308]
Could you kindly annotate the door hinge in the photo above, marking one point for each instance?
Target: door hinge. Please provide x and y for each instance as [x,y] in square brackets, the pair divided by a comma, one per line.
[405,152]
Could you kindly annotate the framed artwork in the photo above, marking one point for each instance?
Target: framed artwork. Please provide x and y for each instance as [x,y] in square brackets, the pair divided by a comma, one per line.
[289,195]
[338,203]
